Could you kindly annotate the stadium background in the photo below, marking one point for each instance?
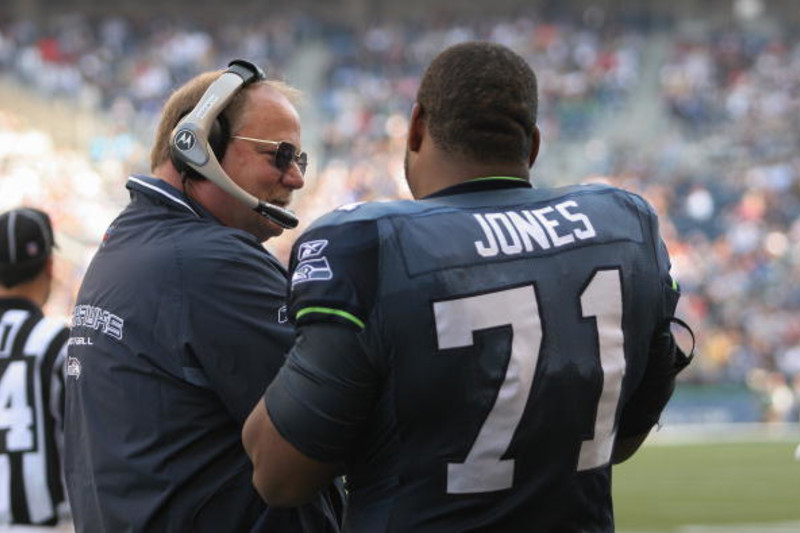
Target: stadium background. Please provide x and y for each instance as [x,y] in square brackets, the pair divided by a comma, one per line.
[695,105]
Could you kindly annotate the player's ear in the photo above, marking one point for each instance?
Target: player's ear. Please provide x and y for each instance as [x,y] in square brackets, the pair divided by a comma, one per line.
[536,142]
[416,127]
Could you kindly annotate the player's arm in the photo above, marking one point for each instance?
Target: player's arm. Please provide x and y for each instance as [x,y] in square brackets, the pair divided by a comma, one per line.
[298,437]
[665,358]
[624,448]
[316,407]
[644,407]
[282,475]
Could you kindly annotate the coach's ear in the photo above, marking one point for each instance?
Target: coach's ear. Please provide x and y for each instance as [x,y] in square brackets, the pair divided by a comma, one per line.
[416,127]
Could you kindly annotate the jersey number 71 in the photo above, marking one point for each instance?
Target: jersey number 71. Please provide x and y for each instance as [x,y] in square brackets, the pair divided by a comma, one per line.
[484,470]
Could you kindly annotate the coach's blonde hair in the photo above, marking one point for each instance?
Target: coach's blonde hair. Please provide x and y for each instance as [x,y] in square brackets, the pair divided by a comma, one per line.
[183,100]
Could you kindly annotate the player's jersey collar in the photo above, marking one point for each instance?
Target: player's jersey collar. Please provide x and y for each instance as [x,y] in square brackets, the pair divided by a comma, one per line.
[483,184]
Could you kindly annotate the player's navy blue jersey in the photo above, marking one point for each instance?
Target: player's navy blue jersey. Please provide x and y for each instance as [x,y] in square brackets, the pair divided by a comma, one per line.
[177,328]
[503,329]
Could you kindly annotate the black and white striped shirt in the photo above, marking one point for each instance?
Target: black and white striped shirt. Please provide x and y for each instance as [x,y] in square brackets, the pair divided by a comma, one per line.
[32,351]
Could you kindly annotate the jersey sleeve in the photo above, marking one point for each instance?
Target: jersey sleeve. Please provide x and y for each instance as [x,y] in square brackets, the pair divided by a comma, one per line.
[664,359]
[326,389]
[644,407]
[334,274]
[324,392]
[670,287]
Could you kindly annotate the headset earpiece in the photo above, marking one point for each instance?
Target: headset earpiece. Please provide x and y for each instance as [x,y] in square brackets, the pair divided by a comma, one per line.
[219,135]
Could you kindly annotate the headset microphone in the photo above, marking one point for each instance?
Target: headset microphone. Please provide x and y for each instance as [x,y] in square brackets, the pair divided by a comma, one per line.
[189,143]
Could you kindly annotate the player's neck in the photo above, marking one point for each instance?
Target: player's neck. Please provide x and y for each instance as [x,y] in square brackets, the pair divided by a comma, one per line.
[441,173]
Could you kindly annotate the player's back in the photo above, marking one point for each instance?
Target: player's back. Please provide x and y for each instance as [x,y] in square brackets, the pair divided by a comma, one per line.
[512,325]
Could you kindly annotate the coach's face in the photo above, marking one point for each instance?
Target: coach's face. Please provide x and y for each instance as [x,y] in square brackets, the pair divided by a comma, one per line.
[268,115]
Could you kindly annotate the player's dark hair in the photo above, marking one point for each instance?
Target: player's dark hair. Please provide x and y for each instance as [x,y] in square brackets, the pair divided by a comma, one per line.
[480,101]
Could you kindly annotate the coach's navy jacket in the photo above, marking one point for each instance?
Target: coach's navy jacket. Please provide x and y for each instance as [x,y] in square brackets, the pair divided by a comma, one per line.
[178,328]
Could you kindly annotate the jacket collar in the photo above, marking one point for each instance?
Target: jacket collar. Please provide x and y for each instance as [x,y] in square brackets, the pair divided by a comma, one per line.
[159,189]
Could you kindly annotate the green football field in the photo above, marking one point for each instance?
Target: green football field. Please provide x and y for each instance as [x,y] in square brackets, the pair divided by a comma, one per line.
[725,485]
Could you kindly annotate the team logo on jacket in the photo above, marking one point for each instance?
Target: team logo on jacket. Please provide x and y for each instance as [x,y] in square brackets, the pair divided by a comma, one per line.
[107,235]
[311,249]
[312,270]
[73,367]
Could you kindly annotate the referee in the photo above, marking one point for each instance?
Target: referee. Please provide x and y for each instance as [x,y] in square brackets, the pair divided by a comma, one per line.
[32,348]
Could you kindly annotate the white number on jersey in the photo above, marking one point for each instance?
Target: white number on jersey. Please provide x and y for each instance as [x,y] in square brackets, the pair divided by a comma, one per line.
[456,320]
[16,413]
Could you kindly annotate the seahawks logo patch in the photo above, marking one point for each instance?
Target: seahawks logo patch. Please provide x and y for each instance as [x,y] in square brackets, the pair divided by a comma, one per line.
[312,270]
[73,367]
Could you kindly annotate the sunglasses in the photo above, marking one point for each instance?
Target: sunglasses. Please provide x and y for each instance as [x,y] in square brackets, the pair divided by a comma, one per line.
[285,153]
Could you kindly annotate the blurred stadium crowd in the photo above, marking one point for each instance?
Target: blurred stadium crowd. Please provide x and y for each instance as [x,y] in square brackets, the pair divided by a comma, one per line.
[717,154]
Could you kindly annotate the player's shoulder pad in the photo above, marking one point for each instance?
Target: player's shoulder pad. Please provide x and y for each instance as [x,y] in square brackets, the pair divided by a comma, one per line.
[367,211]
[595,189]
[334,266]
[603,188]
[638,201]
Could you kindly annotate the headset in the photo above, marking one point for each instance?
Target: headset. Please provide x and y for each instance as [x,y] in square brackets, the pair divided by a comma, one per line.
[200,137]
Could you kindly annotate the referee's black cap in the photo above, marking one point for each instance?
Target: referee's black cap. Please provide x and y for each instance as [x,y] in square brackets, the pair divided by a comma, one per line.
[26,241]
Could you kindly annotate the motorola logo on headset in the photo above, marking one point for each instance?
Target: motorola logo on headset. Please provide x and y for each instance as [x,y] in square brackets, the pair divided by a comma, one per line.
[185,140]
